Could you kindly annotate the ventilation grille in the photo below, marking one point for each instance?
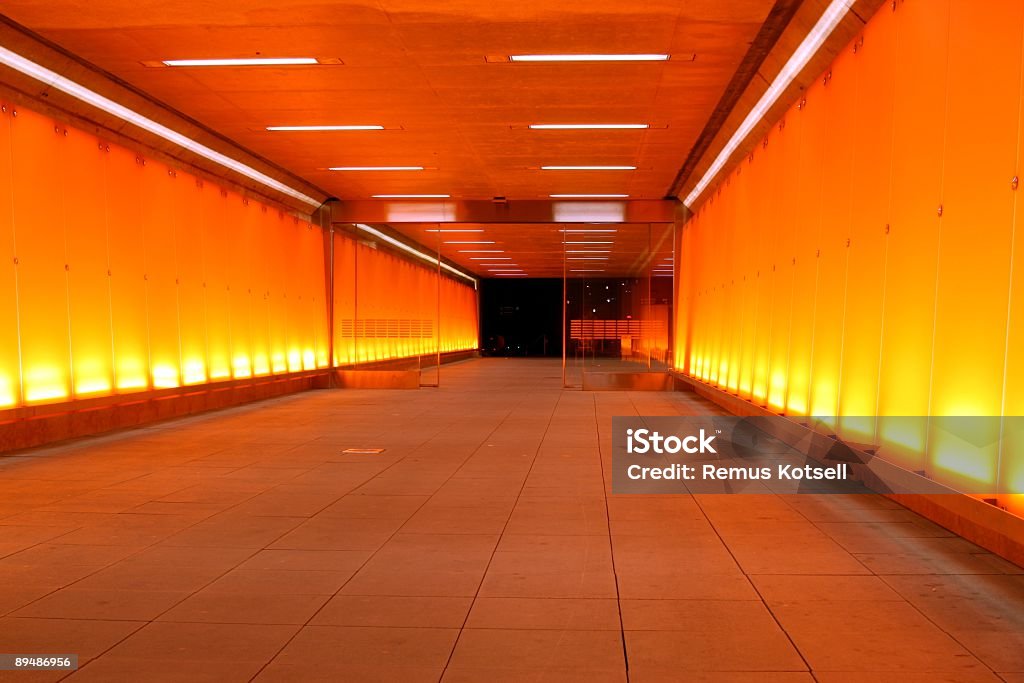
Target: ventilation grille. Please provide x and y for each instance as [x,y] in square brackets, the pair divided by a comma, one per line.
[387,329]
[616,329]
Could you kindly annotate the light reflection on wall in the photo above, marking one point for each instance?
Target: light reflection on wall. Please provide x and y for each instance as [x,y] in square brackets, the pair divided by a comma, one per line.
[119,274]
[861,264]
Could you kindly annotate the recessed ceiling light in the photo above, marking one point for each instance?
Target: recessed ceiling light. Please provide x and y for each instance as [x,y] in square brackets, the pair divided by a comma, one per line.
[814,39]
[586,270]
[510,275]
[587,258]
[588,168]
[588,126]
[588,242]
[490,258]
[588,196]
[375,168]
[321,128]
[591,230]
[445,230]
[421,196]
[479,242]
[247,61]
[588,251]
[481,251]
[590,58]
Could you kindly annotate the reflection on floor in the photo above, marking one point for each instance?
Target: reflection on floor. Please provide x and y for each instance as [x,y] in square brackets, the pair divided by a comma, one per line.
[480,546]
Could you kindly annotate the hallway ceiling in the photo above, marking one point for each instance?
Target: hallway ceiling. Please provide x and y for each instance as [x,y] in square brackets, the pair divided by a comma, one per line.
[421,69]
[536,249]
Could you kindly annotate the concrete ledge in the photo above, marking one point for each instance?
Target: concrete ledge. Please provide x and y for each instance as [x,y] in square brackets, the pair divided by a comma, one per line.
[32,426]
[988,526]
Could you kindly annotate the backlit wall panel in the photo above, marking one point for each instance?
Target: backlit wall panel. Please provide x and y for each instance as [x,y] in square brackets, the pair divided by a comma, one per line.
[387,306]
[874,240]
[119,274]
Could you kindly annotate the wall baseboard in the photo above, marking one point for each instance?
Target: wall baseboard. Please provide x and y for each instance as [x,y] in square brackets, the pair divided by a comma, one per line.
[32,426]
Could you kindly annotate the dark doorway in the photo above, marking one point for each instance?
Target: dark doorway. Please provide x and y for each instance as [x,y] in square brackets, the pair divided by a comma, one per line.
[521,317]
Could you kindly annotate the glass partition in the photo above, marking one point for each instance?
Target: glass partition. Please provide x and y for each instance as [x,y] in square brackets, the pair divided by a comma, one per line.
[618,285]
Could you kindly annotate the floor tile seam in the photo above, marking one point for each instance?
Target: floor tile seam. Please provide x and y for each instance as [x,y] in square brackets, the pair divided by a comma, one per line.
[606,486]
[508,518]
[753,586]
[373,554]
[991,669]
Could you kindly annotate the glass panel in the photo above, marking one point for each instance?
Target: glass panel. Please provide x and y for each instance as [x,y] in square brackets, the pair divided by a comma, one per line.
[42,279]
[10,362]
[88,285]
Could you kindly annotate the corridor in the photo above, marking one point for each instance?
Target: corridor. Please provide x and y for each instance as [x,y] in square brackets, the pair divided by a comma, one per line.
[482,544]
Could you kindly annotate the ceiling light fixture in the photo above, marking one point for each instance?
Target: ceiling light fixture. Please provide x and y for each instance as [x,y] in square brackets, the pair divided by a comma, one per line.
[419,196]
[590,58]
[476,242]
[591,230]
[244,61]
[588,242]
[588,251]
[321,128]
[406,248]
[586,270]
[54,80]
[444,230]
[490,258]
[588,196]
[830,18]
[587,258]
[375,168]
[588,126]
[481,251]
[588,168]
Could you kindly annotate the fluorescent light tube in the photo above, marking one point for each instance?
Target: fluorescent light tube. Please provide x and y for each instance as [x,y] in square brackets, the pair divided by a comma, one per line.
[490,258]
[419,196]
[83,94]
[588,242]
[406,248]
[322,128]
[588,196]
[479,242]
[443,230]
[591,230]
[375,168]
[588,126]
[590,58]
[830,18]
[588,168]
[245,61]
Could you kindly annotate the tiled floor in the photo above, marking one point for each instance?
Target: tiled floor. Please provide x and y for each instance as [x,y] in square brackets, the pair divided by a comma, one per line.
[482,545]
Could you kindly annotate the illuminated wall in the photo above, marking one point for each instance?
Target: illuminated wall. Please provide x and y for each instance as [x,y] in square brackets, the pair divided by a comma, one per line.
[387,306]
[864,261]
[119,274]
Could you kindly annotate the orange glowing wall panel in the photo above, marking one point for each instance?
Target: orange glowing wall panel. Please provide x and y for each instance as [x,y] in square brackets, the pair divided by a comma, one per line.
[10,363]
[387,306]
[121,274]
[84,218]
[873,245]
[215,249]
[36,146]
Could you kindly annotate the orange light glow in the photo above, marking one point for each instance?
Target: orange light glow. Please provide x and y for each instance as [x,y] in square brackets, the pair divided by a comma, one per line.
[863,254]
